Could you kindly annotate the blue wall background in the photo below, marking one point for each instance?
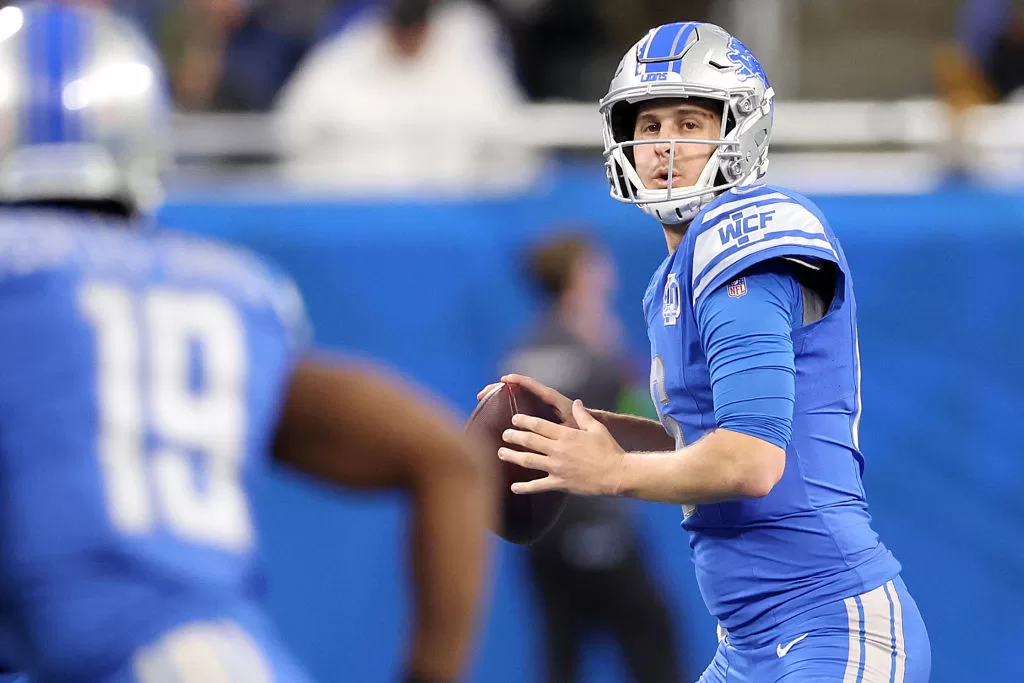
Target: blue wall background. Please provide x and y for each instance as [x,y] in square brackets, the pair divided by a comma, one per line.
[433,290]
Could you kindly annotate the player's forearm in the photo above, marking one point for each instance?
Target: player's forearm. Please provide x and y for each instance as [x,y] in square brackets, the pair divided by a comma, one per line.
[358,426]
[720,467]
[449,549]
[635,433]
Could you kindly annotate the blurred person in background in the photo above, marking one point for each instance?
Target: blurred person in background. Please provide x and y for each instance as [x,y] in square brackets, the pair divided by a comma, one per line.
[417,99]
[589,570]
[235,55]
[561,47]
[983,65]
[989,47]
[564,49]
[147,379]
[1006,62]
[232,55]
[755,373]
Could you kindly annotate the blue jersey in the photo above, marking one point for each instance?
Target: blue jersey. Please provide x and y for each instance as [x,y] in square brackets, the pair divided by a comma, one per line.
[140,376]
[809,541]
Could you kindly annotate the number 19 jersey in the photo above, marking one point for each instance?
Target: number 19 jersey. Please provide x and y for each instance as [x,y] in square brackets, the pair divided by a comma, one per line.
[141,375]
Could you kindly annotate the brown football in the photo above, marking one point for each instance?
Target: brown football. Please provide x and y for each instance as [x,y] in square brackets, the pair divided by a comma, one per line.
[522,518]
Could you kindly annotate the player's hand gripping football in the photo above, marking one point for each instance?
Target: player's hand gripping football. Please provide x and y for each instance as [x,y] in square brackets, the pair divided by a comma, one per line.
[561,404]
[584,460]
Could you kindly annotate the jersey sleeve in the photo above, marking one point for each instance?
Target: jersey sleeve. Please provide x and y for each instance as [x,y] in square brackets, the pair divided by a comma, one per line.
[745,231]
[746,332]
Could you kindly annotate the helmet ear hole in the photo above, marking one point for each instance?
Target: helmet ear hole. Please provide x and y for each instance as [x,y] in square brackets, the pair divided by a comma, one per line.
[623,117]
[730,120]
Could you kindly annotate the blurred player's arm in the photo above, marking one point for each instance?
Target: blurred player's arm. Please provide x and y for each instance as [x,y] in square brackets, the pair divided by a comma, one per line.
[353,426]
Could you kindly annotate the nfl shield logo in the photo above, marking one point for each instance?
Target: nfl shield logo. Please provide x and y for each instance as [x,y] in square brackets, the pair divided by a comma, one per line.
[738,288]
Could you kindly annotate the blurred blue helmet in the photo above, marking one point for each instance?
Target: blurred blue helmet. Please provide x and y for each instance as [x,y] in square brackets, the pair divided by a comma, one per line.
[84,113]
[689,60]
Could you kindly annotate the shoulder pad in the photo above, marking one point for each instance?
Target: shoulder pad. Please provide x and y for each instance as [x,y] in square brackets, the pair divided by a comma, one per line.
[747,229]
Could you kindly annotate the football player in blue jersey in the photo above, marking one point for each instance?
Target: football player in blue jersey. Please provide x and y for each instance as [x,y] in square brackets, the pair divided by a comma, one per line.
[146,378]
[756,377]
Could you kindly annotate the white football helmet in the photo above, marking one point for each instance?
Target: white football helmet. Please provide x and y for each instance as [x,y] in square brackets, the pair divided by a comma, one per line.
[688,60]
[84,111]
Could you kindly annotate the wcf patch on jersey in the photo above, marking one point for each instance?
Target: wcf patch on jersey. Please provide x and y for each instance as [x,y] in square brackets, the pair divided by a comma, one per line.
[738,288]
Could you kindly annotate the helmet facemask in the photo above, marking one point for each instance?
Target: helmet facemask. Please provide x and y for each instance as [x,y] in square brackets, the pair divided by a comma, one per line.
[728,165]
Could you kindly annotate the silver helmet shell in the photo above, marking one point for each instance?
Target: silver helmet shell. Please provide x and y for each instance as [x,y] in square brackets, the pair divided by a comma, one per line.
[84,111]
[689,60]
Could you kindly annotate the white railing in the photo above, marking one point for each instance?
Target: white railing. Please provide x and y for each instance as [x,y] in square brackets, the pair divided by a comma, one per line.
[833,147]
[799,126]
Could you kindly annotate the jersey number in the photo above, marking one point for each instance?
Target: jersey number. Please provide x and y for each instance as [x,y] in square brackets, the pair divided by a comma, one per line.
[171,431]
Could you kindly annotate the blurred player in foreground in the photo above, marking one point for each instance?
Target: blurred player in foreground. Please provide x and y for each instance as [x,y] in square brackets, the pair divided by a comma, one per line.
[145,378]
[756,376]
